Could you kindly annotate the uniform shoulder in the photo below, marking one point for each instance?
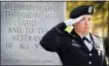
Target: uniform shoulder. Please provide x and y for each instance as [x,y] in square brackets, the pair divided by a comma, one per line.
[97,36]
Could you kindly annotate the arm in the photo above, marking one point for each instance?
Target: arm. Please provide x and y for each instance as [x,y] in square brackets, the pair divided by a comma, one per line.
[104,57]
[51,40]
[104,62]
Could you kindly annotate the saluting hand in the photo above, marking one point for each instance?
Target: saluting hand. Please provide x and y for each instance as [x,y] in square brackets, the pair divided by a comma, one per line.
[71,22]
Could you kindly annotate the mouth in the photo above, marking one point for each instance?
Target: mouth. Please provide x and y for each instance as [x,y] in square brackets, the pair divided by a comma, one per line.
[86,27]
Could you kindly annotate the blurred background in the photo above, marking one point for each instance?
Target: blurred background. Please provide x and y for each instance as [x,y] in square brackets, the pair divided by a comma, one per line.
[100,19]
[24,23]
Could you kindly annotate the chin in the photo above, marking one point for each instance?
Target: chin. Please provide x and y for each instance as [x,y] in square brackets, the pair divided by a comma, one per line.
[86,31]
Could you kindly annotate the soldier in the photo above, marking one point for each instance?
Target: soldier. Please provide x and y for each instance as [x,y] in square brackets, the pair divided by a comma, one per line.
[77,46]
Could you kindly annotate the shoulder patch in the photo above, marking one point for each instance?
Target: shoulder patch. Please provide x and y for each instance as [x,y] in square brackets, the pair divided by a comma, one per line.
[68,29]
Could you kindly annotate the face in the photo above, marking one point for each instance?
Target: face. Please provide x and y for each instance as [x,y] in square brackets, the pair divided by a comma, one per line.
[84,24]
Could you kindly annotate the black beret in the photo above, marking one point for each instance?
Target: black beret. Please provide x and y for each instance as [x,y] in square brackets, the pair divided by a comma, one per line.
[82,10]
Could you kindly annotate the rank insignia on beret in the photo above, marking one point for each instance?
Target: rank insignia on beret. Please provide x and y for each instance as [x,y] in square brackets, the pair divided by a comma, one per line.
[90,9]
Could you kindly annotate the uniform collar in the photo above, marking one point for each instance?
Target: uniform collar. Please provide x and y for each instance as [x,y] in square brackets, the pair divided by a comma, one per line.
[88,36]
[75,35]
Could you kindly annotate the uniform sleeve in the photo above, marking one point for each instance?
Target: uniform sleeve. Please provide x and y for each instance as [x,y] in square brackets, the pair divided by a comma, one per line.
[51,40]
[104,57]
[104,62]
